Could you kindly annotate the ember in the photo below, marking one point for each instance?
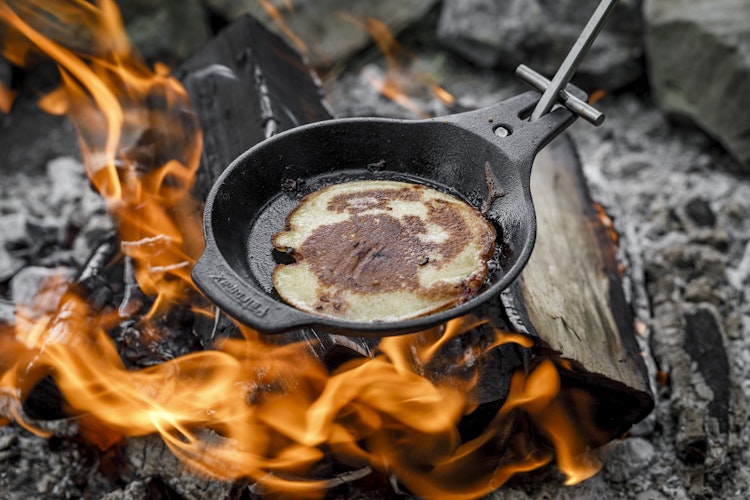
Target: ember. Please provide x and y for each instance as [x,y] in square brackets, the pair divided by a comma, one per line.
[256,407]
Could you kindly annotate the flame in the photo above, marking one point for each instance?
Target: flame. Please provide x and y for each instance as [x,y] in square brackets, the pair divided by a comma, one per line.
[278,18]
[6,98]
[249,407]
[395,85]
[597,95]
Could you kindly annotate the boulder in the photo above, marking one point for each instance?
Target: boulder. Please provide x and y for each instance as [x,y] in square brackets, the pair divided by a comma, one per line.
[326,31]
[166,30]
[698,54]
[539,33]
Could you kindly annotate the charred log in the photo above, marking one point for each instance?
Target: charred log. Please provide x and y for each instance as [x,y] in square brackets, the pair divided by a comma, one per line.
[247,85]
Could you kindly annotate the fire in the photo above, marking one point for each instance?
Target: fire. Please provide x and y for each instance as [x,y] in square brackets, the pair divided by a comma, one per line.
[6,98]
[250,407]
[278,18]
[398,82]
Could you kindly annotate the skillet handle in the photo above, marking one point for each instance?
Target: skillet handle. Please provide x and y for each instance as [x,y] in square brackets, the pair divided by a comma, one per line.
[247,303]
[508,125]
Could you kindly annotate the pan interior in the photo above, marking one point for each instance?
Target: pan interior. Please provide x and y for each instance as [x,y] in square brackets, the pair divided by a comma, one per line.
[263,186]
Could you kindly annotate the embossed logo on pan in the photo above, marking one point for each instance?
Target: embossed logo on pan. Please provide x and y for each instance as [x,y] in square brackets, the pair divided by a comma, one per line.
[232,290]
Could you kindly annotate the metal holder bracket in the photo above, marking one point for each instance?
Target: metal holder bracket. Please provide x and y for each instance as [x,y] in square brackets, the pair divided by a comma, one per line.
[555,90]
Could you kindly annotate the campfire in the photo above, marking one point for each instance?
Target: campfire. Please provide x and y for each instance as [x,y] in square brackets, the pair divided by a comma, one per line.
[451,411]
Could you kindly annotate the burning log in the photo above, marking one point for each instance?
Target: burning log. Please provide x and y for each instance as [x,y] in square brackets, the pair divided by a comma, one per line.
[570,296]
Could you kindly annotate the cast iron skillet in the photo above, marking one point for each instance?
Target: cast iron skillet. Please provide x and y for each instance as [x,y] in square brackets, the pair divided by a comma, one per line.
[462,154]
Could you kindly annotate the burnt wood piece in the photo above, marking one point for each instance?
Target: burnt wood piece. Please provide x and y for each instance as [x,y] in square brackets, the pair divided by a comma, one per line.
[570,295]
[247,85]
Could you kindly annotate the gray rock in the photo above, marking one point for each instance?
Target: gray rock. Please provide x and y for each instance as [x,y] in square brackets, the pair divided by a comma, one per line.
[166,30]
[326,31]
[698,54]
[539,33]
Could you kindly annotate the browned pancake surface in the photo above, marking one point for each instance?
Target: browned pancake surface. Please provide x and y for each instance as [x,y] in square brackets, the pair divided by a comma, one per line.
[382,251]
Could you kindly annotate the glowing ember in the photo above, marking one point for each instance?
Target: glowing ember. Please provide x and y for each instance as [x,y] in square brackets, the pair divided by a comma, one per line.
[249,407]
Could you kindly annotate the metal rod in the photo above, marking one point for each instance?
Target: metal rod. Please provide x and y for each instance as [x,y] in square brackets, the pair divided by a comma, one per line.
[573,103]
[574,57]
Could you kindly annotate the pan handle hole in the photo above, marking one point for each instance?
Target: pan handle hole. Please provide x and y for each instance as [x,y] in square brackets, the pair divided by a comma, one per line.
[502,130]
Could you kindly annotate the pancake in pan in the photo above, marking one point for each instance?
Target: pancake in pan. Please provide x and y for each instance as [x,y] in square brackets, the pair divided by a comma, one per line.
[383,251]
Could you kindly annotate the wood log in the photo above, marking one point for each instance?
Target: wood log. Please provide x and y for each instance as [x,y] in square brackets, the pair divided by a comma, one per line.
[570,295]
[247,85]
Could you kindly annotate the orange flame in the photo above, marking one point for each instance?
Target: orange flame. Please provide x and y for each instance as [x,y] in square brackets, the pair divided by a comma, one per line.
[278,18]
[106,95]
[397,79]
[6,98]
[249,408]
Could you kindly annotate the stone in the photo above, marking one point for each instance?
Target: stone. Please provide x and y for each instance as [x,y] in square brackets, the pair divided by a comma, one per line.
[325,31]
[698,58]
[539,33]
[166,30]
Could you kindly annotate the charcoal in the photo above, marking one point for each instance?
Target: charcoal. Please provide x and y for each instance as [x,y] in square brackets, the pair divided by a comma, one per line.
[14,232]
[143,344]
[87,237]
[45,401]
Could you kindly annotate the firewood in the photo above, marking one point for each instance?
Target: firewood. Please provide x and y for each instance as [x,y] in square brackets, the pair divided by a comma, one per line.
[246,85]
[570,296]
